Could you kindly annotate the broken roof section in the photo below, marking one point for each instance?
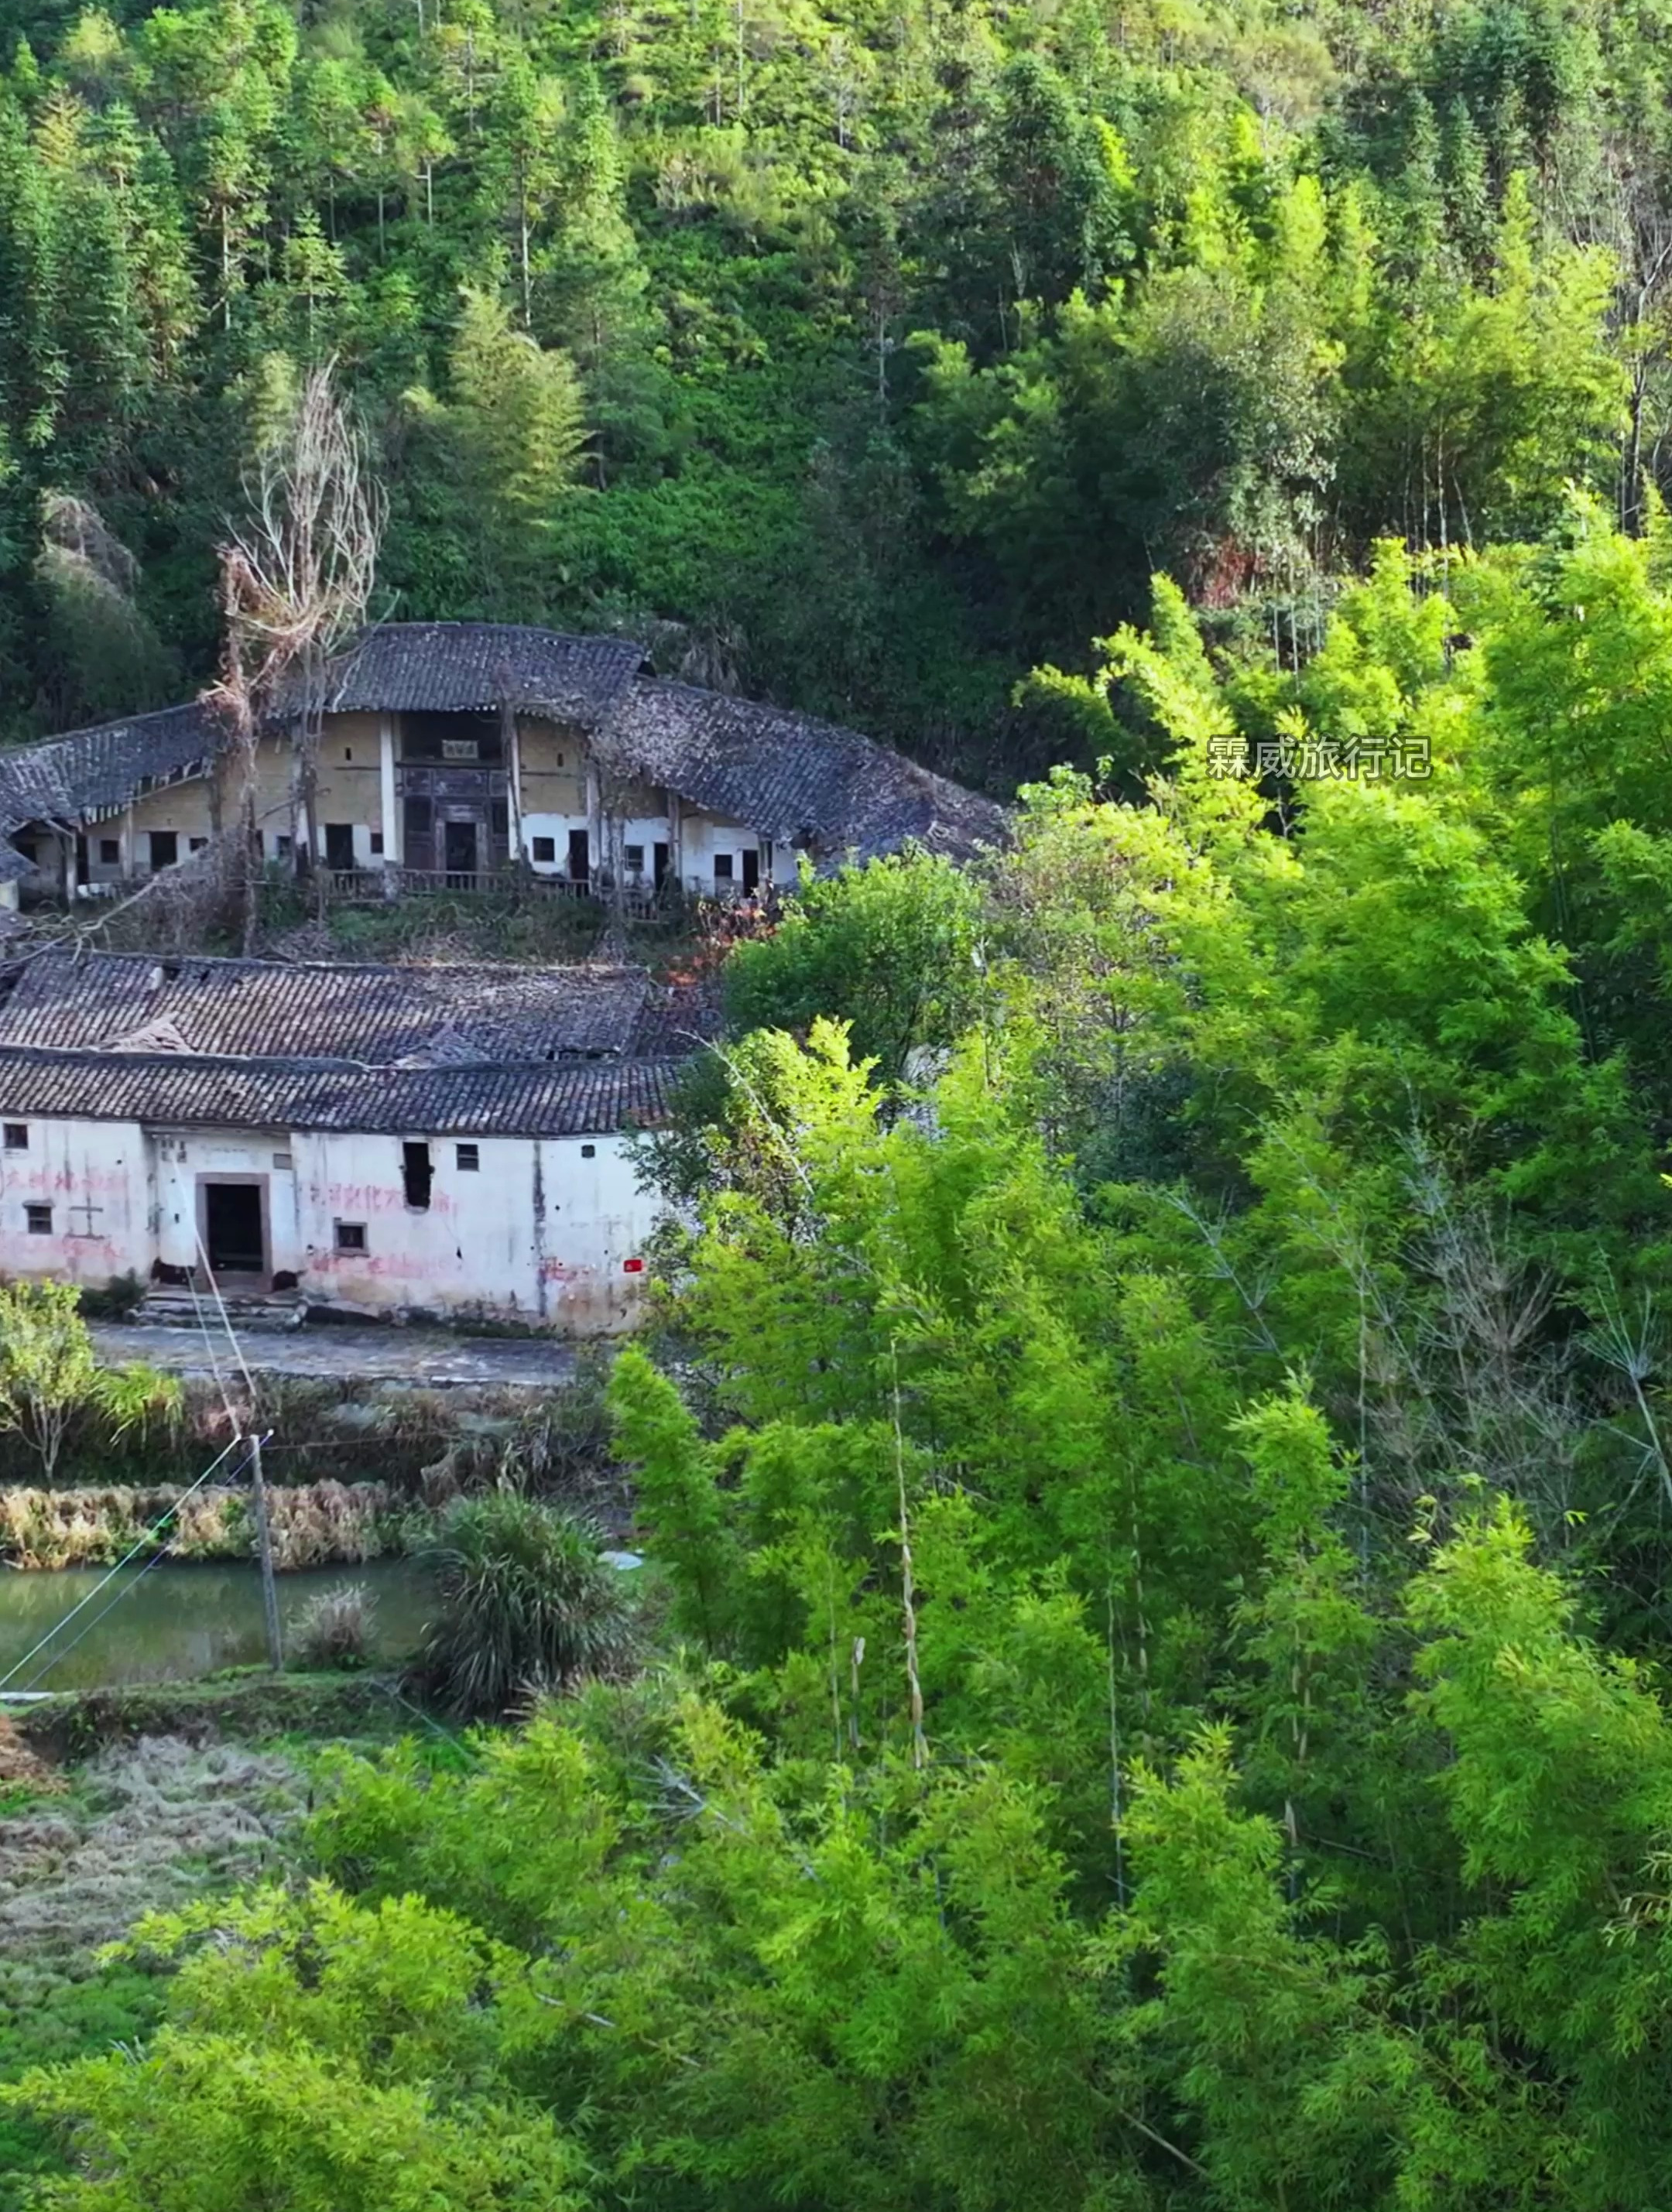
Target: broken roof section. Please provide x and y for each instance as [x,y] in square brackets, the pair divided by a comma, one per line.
[374,1017]
[95,772]
[792,777]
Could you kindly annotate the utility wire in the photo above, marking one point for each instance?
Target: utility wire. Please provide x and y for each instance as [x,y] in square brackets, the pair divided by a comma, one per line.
[126,1590]
[139,1545]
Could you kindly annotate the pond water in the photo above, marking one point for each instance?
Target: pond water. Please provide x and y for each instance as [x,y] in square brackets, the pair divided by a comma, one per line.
[178,1621]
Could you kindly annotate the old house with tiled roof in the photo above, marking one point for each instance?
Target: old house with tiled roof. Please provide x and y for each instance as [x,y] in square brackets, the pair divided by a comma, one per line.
[456,755]
[446,1140]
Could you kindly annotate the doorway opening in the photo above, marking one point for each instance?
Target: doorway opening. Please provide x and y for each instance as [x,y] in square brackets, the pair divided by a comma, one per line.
[458,854]
[581,856]
[751,871]
[234,1233]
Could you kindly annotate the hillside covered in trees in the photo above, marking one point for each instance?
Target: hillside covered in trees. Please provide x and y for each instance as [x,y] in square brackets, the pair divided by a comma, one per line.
[1148,1688]
[867,357]
[1145,1687]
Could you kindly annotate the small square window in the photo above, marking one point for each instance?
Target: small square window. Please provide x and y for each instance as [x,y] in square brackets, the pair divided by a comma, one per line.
[284,1162]
[198,843]
[722,867]
[281,846]
[633,855]
[545,849]
[589,1152]
[468,1158]
[110,852]
[40,1220]
[17,1136]
[377,841]
[350,1236]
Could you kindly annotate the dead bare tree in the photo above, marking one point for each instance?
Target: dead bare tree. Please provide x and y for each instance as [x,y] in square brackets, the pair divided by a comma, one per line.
[296,581]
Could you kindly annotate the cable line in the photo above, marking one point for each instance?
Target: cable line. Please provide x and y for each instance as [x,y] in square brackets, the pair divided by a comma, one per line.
[139,1545]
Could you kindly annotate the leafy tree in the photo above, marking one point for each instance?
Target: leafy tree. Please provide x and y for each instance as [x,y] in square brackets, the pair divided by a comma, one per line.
[50,1375]
[892,948]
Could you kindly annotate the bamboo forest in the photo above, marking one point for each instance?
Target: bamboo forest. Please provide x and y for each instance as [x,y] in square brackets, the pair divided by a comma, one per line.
[1103,1644]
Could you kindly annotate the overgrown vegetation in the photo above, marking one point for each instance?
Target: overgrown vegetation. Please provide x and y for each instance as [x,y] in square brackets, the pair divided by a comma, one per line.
[337,1630]
[523,1604]
[1154,1475]
[1159,1522]
[50,1380]
[964,321]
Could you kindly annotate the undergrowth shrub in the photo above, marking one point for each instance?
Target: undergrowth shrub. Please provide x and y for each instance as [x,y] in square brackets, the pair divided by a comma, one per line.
[526,1602]
[337,1629]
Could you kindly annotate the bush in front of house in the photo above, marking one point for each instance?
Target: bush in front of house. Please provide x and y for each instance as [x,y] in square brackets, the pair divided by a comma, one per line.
[524,1603]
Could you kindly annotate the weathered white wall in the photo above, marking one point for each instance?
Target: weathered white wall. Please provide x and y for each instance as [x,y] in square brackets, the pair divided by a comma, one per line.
[703,835]
[72,1166]
[179,1160]
[538,1231]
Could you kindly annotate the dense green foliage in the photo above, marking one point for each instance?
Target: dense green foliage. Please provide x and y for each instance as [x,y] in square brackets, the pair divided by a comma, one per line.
[524,1601]
[1162,1525]
[964,319]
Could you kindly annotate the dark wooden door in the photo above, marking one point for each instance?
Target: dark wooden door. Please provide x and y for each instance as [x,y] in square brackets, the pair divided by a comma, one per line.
[460,854]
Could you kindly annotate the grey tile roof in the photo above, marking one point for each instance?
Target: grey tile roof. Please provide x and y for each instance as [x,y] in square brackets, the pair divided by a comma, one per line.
[581,1099]
[791,776]
[788,776]
[91,772]
[453,667]
[145,1003]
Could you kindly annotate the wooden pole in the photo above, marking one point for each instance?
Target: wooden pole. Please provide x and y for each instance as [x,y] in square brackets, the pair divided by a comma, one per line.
[263,1538]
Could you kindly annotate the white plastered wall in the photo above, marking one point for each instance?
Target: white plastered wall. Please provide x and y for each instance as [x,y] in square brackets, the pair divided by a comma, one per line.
[541,1230]
[93,1176]
[538,1230]
[702,836]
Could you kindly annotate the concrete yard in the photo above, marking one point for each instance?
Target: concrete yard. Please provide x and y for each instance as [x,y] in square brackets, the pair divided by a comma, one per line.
[430,1357]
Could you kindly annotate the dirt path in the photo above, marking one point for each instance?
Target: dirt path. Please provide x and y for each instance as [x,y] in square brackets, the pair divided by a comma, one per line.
[431,1357]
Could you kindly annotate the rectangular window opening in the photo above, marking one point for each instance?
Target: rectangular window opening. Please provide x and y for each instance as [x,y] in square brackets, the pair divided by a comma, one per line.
[722,867]
[633,859]
[468,1158]
[544,849]
[17,1136]
[40,1220]
[417,1175]
[110,852]
[350,1236]
[196,844]
[377,843]
[589,1152]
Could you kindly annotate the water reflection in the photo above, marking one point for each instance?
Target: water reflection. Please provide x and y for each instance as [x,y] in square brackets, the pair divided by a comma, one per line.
[176,1622]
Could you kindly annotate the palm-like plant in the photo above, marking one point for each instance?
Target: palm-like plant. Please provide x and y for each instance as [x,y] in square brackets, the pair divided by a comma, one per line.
[526,1602]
